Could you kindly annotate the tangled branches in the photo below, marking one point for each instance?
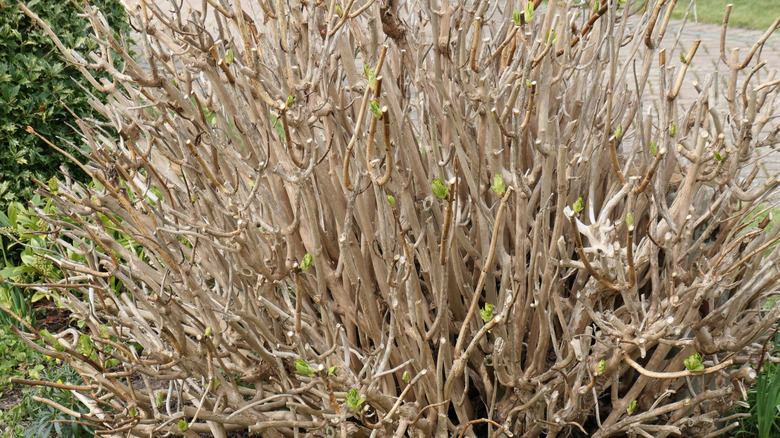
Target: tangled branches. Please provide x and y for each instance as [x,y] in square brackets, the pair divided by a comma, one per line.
[405,218]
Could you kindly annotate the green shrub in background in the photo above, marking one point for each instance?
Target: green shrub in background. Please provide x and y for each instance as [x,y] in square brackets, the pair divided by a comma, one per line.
[36,85]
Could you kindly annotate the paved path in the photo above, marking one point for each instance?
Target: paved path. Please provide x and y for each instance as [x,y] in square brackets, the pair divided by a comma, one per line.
[706,62]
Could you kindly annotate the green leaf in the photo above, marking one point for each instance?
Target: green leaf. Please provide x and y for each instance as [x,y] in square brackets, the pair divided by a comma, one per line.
[653,147]
[528,83]
[601,367]
[529,11]
[183,426]
[487,312]
[158,398]
[672,130]
[682,57]
[85,345]
[354,400]
[370,75]
[332,371]
[290,101]
[133,412]
[405,377]
[391,200]
[498,185]
[619,131]
[596,6]
[229,57]
[717,156]
[579,204]
[103,330]
[516,17]
[693,363]
[301,367]
[631,407]
[54,185]
[439,188]
[375,109]
[629,220]
[307,261]
[208,332]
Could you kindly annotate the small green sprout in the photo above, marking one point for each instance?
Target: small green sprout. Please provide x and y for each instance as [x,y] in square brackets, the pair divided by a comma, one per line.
[653,147]
[439,188]
[332,371]
[301,367]
[718,156]
[183,426]
[529,12]
[551,36]
[208,332]
[673,130]
[682,57]
[370,75]
[631,407]
[229,57]
[54,185]
[354,400]
[528,83]
[516,17]
[391,200]
[619,131]
[158,398]
[601,367]
[693,363]
[375,109]
[406,377]
[498,185]
[290,101]
[630,220]
[339,12]
[133,412]
[579,204]
[596,6]
[307,261]
[487,312]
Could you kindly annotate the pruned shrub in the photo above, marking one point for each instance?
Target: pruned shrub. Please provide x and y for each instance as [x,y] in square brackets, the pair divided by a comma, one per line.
[389,219]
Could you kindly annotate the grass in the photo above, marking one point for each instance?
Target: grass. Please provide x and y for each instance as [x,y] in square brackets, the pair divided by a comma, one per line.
[749,14]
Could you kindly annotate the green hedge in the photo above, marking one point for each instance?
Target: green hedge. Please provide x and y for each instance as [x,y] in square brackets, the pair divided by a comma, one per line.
[35,86]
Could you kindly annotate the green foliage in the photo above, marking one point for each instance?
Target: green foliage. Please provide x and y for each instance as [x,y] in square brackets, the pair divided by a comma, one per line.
[653,147]
[307,261]
[631,407]
[529,11]
[693,363]
[406,377]
[229,57]
[301,367]
[24,244]
[354,400]
[516,17]
[487,312]
[579,204]
[391,200]
[767,400]
[42,420]
[601,367]
[440,189]
[332,371]
[498,185]
[750,14]
[375,109]
[619,131]
[35,87]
